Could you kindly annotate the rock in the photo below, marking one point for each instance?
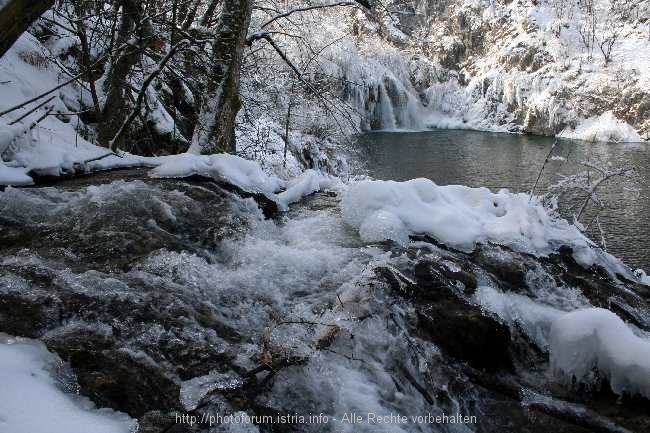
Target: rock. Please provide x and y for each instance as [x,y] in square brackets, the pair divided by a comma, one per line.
[505,266]
[463,331]
[114,376]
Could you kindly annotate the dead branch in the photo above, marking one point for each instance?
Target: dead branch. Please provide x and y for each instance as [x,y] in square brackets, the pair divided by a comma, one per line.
[32,110]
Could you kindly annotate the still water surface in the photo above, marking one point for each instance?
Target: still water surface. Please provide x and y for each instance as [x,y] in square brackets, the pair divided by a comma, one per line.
[513,162]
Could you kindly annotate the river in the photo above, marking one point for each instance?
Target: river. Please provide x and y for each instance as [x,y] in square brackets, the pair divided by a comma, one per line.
[163,294]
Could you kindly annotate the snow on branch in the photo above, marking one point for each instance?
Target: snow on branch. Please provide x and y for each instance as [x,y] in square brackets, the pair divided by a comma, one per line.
[308,8]
[143,91]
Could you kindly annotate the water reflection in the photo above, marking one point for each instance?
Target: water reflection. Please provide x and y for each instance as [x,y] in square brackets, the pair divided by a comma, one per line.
[513,162]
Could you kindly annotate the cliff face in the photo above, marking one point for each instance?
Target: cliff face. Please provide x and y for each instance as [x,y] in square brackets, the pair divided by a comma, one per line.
[574,68]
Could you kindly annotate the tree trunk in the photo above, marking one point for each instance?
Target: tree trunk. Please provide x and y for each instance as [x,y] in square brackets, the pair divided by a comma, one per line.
[116,87]
[16,16]
[86,58]
[215,130]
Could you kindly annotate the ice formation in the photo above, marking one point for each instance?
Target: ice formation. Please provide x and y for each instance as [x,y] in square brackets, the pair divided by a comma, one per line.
[591,344]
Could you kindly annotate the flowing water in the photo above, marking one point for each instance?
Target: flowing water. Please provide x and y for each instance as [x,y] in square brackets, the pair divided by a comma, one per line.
[197,283]
[514,161]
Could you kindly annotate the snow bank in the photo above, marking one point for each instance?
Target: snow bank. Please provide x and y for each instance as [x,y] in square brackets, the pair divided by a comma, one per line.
[31,400]
[246,174]
[459,217]
[13,176]
[605,127]
[596,339]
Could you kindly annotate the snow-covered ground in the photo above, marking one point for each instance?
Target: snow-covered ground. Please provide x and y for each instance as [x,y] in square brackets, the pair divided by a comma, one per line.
[36,397]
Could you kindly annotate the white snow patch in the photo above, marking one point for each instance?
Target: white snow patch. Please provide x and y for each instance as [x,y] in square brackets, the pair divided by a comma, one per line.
[13,176]
[642,277]
[459,217]
[534,318]
[596,339]
[31,401]
[244,173]
[307,183]
[605,127]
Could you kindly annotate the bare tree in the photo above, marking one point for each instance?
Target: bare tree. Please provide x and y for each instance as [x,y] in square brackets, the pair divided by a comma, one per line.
[116,87]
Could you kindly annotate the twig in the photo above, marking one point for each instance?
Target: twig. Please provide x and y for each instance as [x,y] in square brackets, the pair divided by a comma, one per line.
[31,111]
[304,9]
[539,175]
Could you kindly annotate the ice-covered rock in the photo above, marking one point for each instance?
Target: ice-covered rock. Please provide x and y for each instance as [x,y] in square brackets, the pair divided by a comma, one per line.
[592,344]
[193,391]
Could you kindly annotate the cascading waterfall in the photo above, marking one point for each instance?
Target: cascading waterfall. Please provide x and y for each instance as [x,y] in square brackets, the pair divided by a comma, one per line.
[386,103]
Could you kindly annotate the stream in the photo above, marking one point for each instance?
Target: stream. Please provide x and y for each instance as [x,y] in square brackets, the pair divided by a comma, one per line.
[177,296]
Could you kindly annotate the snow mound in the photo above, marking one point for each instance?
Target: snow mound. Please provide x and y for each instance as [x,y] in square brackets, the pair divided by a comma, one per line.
[13,176]
[642,277]
[31,400]
[307,183]
[585,341]
[459,217]
[246,174]
[605,127]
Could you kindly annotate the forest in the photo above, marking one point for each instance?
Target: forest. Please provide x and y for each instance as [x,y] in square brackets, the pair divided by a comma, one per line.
[274,216]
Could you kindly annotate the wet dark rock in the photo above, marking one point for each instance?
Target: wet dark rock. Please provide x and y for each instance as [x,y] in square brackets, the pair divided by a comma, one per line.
[158,422]
[27,315]
[461,329]
[506,267]
[114,376]
[466,333]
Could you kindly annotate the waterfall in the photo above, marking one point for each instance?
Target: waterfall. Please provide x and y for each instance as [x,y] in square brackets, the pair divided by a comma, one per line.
[386,104]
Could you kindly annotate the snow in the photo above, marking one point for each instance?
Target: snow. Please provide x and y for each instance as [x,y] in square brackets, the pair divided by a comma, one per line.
[246,174]
[13,176]
[533,317]
[597,339]
[459,217]
[605,127]
[642,277]
[307,183]
[31,400]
